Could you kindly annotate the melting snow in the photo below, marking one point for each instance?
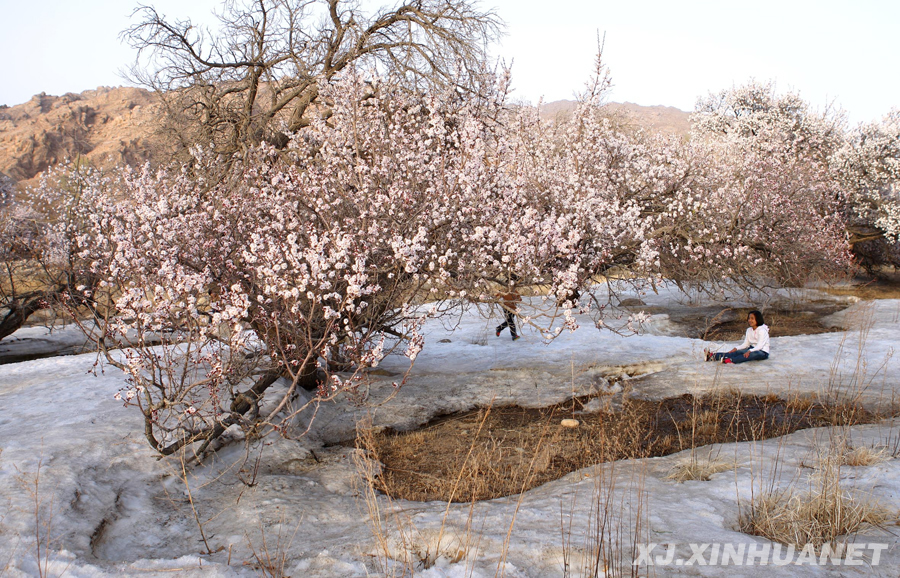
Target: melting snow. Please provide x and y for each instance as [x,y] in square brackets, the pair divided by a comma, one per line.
[118,511]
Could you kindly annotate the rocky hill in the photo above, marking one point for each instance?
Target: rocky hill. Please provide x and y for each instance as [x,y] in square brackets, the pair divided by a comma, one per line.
[107,126]
[111,126]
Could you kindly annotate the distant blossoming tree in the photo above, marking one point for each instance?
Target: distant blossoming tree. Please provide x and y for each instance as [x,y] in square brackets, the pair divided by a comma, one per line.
[39,232]
[869,168]
[852,174]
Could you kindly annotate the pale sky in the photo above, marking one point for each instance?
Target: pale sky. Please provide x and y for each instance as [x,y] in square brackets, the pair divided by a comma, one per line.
[659,52]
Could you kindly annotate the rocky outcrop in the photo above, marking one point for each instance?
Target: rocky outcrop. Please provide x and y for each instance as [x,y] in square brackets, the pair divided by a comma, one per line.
[106,126]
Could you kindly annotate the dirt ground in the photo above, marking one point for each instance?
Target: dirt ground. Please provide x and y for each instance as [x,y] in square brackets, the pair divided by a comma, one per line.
[870,289]
[784,320]
[727,324]
[494,452]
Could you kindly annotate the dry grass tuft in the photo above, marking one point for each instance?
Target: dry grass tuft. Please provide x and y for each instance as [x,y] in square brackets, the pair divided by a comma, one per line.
[726,391]
[864,456]
[800,401]
[819,516]
[698,469]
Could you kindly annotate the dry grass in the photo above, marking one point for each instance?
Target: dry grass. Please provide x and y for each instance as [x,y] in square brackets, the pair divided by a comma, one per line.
[401,548]
[270,553]
[699,469]
[800,401]
[618,519]
[601,544]
[820,515]
[864,456]
[485,454]
[846,454]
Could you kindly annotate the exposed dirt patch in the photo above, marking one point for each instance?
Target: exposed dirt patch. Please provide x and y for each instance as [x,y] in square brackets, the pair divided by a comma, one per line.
[801,318]
[873,289]
[494,452]
[730,324]
[781,322]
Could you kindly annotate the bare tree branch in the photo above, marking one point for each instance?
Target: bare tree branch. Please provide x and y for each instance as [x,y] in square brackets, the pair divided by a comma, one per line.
[257,77]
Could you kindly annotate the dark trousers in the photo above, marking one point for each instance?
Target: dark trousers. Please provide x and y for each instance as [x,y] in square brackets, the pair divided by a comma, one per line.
[738,356]
[510,322]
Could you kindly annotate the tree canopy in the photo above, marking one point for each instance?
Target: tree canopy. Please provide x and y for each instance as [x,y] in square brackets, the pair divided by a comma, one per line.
[258,76]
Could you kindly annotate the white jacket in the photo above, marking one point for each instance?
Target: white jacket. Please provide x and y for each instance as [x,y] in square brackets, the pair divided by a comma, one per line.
[757,338]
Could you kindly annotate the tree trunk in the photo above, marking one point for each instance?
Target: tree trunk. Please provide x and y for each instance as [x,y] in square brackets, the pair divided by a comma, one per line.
[20,310]
[310,378]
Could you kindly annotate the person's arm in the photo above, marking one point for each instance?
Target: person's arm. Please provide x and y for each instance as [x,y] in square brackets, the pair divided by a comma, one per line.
[746,342]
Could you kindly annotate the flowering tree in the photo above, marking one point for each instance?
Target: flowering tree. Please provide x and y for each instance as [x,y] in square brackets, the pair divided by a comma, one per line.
[300,267]
[754,116]
[772,185]
[38,248]
[870,170]
[19,234]
[755,219]
[852,175]
[313,262]
[729,207]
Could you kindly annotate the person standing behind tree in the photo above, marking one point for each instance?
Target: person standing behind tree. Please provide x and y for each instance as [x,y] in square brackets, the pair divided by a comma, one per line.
[511,300]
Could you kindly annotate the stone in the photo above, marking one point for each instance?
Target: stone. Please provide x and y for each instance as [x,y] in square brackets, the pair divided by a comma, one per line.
[631,302]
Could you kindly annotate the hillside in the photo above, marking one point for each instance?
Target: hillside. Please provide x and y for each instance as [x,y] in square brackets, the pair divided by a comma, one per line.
[655,119]
[107,126]
[111,126]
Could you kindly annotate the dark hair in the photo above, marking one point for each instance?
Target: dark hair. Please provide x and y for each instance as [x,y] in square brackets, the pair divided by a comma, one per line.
[758,316]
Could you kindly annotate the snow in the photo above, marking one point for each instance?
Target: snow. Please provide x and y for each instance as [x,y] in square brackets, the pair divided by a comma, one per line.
[38,341]
[119,511]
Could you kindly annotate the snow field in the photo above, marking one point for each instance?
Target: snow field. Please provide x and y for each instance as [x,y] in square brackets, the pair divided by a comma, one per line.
[118,511]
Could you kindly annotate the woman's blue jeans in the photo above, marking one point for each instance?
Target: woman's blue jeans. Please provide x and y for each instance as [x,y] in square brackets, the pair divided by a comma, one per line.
[738,356]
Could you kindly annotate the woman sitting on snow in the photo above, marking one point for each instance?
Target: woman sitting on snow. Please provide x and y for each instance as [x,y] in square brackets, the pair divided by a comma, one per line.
[755,346]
